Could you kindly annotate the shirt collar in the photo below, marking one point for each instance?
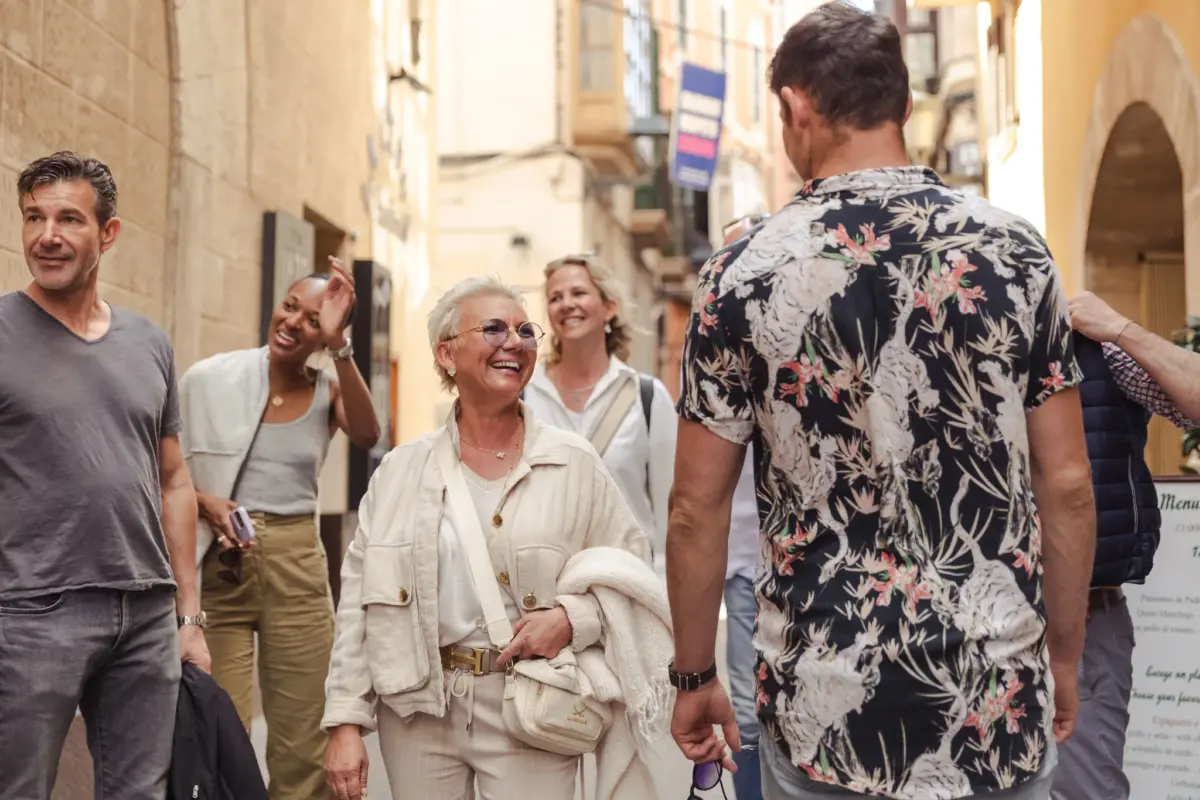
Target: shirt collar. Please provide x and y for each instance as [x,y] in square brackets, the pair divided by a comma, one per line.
[867,180]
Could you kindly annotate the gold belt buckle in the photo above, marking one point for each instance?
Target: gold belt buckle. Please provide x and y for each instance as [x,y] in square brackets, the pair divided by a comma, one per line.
[472,657]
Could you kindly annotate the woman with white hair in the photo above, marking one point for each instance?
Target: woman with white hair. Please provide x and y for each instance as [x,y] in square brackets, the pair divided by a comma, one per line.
[479,629]
[585,386]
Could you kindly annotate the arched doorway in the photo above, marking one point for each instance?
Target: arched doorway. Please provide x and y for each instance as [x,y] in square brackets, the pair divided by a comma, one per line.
[1135,239]
[1137,222]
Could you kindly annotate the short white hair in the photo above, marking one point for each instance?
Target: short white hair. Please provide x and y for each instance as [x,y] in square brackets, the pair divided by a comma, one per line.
[446,313]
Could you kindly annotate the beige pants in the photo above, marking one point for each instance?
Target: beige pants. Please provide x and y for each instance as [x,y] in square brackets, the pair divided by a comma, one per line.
[427,758]
[282,595]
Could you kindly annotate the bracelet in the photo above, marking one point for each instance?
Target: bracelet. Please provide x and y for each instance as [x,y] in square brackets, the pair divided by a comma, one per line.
[1124,328]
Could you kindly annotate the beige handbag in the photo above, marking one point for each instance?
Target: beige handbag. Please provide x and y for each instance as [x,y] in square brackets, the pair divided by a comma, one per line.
[547,712]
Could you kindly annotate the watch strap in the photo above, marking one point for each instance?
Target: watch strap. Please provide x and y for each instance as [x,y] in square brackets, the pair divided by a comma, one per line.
[691,681]
[191,619]
[346,352]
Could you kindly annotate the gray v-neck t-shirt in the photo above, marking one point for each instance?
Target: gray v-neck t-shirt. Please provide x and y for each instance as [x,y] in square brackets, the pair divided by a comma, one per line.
[80,426]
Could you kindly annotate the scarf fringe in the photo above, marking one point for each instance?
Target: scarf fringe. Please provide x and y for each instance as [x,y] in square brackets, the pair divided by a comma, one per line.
[649,717]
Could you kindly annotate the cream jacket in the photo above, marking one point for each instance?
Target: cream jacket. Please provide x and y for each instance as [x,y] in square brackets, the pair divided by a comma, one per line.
[559,501]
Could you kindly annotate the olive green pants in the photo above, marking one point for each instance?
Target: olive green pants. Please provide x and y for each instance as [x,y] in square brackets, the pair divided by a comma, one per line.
[279,590]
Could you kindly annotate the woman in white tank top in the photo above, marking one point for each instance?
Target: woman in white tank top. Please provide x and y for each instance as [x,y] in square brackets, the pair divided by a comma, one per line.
[275,587]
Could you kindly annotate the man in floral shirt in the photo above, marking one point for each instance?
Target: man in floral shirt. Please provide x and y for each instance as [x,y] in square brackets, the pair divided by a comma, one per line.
[901,357]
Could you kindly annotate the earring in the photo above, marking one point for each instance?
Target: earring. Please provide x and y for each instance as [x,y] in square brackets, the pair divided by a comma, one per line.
[451,371]
[607,328]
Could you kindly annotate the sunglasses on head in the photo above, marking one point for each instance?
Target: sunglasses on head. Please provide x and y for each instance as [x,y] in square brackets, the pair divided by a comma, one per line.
[495,332]
[750,220]
[706,776]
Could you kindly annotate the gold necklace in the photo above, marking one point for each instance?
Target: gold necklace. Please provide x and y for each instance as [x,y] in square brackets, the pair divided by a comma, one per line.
[497,453]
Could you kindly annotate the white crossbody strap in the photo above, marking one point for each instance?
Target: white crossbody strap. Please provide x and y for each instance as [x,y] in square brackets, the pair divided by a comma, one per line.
[458,497]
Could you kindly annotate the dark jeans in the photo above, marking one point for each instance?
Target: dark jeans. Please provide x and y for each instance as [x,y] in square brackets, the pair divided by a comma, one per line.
[114,656]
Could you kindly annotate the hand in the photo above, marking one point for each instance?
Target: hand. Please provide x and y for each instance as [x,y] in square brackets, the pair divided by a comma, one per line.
[1066,700]
[215,511]
[542,633]
[193,648]
[336,305]
[1095,318]
[692,725]
[346,763]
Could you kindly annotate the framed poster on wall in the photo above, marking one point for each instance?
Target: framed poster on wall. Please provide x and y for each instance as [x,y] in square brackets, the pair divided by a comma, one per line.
[1162,745]
[287,256]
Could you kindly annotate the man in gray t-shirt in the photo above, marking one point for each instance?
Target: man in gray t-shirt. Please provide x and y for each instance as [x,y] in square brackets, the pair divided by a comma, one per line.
[98,599]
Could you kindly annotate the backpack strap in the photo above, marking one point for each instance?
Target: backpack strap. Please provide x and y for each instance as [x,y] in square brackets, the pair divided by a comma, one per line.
[646,385]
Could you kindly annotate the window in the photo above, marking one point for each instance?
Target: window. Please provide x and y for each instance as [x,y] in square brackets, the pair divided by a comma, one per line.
[597,46]
[681,22]
[1002,109]
[921,50]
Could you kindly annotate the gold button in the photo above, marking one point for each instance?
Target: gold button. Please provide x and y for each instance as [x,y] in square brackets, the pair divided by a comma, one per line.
[530,600]
[503,578]
[404,595]
[497,520]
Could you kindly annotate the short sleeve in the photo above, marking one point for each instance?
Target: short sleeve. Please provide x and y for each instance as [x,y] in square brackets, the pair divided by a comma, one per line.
[713,390]
[171,423]
[1052,366]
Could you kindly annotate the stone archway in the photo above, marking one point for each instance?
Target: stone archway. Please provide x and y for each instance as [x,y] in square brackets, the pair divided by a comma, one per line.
[1147,65]
[1136,224]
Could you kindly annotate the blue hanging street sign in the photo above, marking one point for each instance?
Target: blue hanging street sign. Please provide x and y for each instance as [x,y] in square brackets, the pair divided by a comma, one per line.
[696,127]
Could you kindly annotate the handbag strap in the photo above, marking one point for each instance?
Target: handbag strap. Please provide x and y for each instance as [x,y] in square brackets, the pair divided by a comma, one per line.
[615,415]
[495,616]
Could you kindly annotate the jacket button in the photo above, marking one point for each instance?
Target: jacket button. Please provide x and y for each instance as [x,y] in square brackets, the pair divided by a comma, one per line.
[497,520]
[404,595]
[530,600]
[503,578]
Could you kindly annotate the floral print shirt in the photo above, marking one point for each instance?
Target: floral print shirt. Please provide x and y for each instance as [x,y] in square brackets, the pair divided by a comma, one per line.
[880,341]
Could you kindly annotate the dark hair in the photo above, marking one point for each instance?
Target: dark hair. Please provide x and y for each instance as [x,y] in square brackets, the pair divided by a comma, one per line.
[850,64]
[67,166]
[324,278]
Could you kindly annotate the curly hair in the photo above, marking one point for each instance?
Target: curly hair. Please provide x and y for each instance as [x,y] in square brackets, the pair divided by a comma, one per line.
[619,338]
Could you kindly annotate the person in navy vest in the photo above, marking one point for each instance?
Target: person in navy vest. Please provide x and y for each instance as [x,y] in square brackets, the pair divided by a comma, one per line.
[1129,374]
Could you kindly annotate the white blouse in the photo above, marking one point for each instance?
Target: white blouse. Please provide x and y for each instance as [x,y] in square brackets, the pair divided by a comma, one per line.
[641,462]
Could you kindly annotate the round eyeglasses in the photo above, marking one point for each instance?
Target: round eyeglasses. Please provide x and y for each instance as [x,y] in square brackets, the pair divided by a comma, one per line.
[495,332]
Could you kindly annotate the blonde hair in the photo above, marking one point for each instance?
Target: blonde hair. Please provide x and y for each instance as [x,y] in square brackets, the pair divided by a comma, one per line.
[447,312]
[618,340]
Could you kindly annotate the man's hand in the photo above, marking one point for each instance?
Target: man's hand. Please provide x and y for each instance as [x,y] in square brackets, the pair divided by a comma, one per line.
[1095,318]
[692,725]
[1066,701]
[542,633]
[193,648]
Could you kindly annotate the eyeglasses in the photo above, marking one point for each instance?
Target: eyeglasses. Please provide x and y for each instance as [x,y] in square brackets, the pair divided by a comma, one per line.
[749,219]
[232,560]
[706,776]
[495,332]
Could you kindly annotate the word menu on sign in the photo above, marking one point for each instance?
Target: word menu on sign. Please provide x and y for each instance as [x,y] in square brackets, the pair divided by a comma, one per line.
[1162,748]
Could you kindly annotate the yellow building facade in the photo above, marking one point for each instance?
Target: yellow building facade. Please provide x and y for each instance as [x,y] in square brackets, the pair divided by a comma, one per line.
[1091,131]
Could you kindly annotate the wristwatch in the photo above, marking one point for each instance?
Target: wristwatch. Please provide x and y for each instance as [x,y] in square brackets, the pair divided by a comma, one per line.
[200,619]
[346,352]
[690,681]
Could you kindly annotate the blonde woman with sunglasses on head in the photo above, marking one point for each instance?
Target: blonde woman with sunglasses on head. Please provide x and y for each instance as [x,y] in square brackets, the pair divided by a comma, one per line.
[485,625]
[585,386]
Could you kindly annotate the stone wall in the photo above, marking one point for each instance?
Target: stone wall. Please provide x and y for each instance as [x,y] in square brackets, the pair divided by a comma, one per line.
[93,76]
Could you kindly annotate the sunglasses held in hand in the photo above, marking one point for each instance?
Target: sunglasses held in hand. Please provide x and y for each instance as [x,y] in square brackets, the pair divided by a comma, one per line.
[706,776]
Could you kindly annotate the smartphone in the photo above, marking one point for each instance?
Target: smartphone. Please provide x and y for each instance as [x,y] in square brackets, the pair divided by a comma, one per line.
[243,527]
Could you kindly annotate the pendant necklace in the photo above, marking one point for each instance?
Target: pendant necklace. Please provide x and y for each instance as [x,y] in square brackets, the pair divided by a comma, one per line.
[500,454]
